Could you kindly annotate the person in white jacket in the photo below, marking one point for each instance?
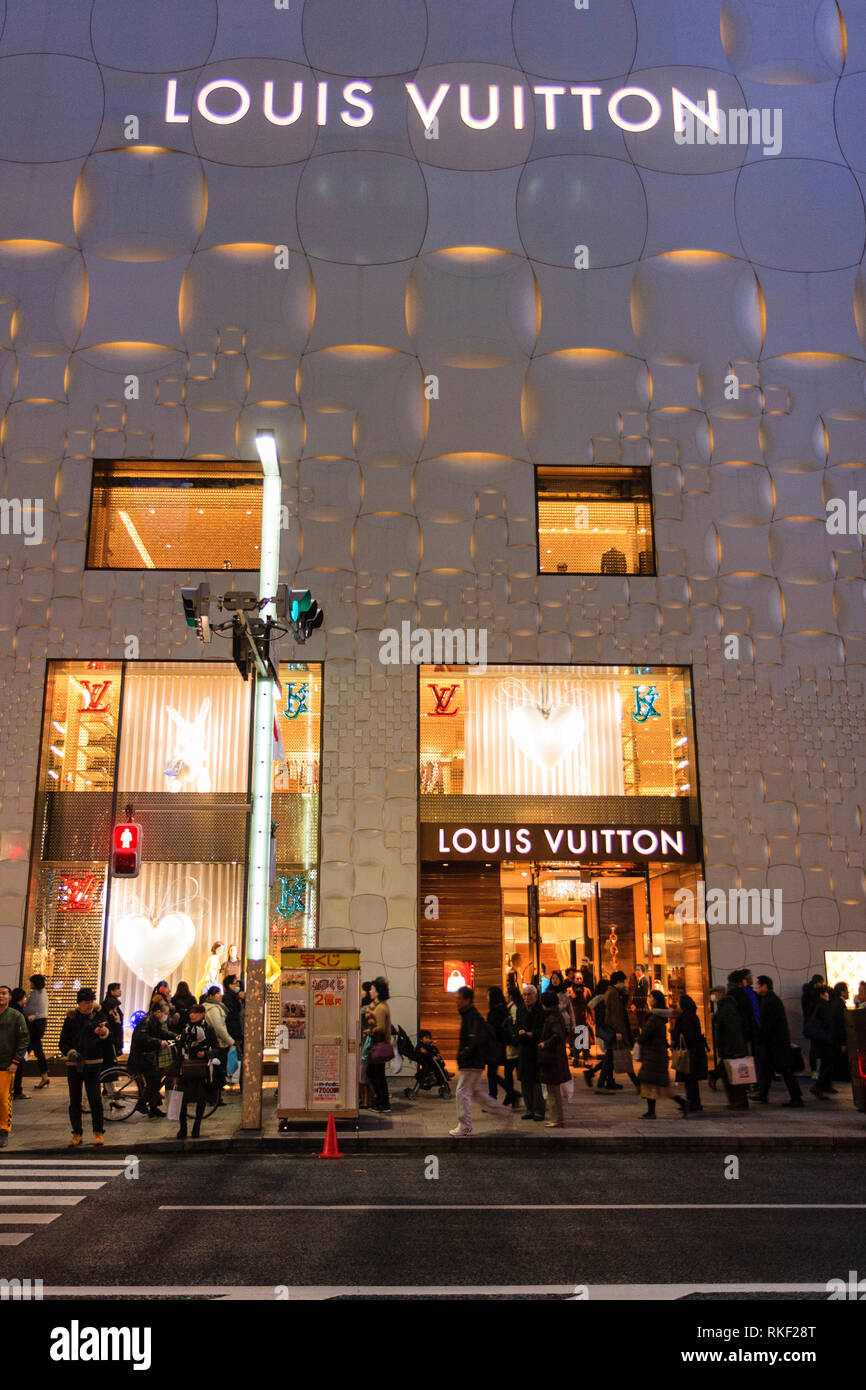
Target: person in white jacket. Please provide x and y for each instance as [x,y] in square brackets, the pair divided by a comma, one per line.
[215,1015]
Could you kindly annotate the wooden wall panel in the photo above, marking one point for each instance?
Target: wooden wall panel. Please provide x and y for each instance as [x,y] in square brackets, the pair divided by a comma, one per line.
[469,928]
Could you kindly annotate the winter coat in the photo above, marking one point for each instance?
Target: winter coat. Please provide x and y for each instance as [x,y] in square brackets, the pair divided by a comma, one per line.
[234,1016]
[531,1021]
[181,1003]
[496,1019]
[473,1048]
[687,1033]
[149,1038]
[110,1007]
[579,1001]
[566,1012]
[380,1016]
[654,1050]
[774,1035]
[616,1014]
[552,1054]
[14,1037]
[78,1035]
[215,1014]
[730,1035]
[837,1021]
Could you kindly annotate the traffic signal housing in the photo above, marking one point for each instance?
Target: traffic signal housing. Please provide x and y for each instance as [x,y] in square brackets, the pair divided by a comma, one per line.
[126,850]
[304,613]
[196,610]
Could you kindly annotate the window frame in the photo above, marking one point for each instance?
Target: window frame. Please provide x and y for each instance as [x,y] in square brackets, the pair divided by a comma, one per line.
[602,469]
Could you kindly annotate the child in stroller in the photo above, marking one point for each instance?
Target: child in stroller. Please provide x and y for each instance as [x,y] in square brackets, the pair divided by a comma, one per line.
[431,1071]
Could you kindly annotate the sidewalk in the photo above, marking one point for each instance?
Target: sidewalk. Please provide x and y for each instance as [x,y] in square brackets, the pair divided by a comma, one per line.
[605,1122]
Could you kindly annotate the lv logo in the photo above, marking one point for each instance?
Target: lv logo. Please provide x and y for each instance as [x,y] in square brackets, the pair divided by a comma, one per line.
[94,693]
[443,698]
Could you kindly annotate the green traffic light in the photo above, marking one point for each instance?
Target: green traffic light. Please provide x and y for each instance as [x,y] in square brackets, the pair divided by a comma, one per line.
[301,605]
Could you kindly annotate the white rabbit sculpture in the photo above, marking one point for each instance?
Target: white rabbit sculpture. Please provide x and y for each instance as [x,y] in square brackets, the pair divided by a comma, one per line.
[188,769]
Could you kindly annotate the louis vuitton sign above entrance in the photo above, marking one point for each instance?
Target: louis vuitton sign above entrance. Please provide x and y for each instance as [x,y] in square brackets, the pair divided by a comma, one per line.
[491,842]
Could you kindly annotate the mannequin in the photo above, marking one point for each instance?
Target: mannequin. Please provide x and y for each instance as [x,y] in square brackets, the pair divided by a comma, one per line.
[214,964]
[232,965]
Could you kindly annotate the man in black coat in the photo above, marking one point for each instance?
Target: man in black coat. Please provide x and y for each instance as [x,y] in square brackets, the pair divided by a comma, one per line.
[83,1040]
[530,1021]
[774,1046]
[473,1053]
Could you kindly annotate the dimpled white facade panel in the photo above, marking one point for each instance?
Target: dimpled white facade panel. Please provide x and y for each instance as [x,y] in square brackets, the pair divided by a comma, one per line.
[446,244]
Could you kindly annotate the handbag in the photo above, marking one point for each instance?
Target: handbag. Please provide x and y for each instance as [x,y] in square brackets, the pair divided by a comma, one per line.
[622,1059]
[380,1052]
[681,1060]
[740,1070]
[175,1101]
[193,1068]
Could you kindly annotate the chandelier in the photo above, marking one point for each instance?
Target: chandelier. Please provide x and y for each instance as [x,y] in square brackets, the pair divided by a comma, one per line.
[565,890]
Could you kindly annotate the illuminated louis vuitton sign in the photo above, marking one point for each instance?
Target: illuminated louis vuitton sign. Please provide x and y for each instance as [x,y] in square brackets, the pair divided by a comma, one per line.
[493,841]
[225,101]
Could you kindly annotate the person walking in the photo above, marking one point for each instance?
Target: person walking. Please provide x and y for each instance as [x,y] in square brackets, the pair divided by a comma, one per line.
[233,1001]
[381,1050]
[618,1030]
[595,1008]
[475,1048]
[215,1013]
[809,996]
[16,1001]
[83,1039]
[36,1018]
[148,1057]
[530,1020]
[14,1039]
[514,1003]
[113,1010]
[731,1036]
[553,1056]
[654,1078]
[717,1072]
[579,994]
[687,1036]
[774,1042]
[566,1009]
[197,1048]
[838,1035]
[498,1019]
[819,1029]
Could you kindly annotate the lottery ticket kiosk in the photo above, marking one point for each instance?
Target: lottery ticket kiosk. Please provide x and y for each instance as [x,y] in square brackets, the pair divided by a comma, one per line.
[318,1034]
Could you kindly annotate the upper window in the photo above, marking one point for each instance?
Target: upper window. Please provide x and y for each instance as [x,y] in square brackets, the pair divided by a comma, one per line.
[595,521]
[170,516]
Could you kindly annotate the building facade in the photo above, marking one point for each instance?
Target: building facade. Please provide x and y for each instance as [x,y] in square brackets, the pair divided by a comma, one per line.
[559,317]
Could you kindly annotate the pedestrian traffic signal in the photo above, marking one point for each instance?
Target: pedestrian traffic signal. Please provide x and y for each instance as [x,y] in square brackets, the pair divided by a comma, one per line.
[126,850]
[304,613]
[196,610]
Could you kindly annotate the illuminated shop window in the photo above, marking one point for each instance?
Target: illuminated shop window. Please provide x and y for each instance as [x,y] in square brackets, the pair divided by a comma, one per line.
[595,521]
[169,516]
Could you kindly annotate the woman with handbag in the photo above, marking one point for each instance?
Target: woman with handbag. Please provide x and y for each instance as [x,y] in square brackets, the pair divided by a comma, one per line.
[381,1050]
[553,1056]
[654,1079]
[196,1050]
[689,1057]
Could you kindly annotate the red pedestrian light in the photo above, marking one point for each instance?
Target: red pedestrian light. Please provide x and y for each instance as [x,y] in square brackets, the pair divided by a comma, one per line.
[126,850]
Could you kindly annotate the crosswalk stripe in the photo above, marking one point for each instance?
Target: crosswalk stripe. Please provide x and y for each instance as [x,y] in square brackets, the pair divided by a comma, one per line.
[17,1218]
[36,1200]
[35,1186]
[13,1238]
[66,1162]
[60,1173]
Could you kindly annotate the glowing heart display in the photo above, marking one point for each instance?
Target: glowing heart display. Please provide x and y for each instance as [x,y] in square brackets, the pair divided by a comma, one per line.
[546,741]
[153,949]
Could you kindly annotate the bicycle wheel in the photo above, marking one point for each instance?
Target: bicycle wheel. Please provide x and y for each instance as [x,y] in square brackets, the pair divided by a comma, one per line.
[121,1093]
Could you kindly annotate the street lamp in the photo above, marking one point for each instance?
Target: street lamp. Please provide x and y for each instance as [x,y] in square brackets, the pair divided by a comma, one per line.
[259,852]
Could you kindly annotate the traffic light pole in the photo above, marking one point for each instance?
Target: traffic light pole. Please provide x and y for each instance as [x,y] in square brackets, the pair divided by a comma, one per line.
[259,850]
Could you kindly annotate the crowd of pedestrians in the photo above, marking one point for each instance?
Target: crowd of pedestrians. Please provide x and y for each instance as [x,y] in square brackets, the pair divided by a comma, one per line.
[194,1044]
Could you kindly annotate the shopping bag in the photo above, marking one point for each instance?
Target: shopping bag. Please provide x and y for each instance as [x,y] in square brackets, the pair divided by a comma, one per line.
[567,1090]
[622,1059]
[740,1070]
[175,1101]
[233,1065]
[681,1060]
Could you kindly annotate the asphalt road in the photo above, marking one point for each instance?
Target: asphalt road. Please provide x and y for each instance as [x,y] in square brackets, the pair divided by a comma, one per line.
[627,1226]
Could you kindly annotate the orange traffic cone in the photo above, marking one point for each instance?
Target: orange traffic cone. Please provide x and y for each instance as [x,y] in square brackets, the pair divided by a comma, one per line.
[331,1150]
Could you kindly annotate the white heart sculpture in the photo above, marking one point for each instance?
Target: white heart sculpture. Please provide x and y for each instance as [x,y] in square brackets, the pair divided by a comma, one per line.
[546,741]
[151,949]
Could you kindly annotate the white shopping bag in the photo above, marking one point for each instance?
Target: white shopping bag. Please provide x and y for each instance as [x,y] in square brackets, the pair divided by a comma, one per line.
[741,1070]
[175,1101]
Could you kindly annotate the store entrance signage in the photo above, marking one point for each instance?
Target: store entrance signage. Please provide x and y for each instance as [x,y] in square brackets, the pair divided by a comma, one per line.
[545,842]
[225,100]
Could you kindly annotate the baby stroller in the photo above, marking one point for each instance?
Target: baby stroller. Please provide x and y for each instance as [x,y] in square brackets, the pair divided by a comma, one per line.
[431,1072]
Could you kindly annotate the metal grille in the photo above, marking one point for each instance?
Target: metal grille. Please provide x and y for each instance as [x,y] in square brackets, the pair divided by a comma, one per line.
[563,810]
[65,943]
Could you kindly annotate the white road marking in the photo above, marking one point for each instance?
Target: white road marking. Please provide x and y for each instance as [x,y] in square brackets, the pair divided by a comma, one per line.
[17,1218]
[39,1201]
[53,1186]
[522,1206]
[7,1238]
[59,1173]
[65,1162]
[311,1292]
